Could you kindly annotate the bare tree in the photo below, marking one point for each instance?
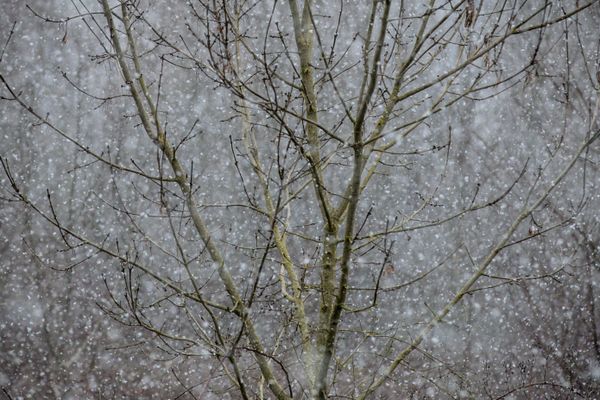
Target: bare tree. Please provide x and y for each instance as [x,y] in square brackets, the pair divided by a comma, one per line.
[299,220]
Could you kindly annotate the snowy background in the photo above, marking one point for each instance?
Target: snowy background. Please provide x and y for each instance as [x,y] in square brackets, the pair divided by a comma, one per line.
[82,317]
